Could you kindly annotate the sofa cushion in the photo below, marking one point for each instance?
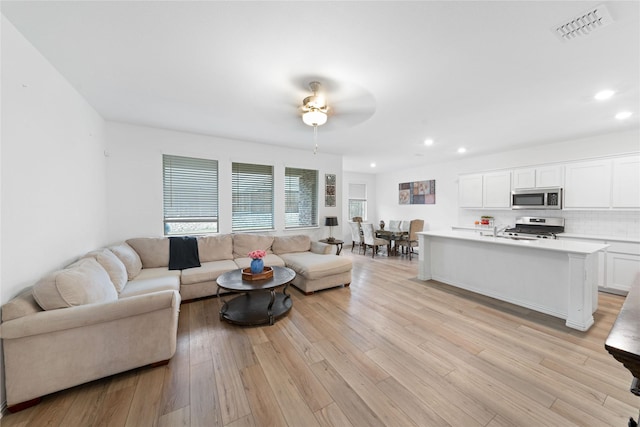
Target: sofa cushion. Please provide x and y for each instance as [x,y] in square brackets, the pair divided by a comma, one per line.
[152,280]
[245,243]
[207,272]
[83,282]
[153,251]
[315,266]
[114,267]
[288,244]
[21,305]
[129,258]
[215,248]
[270,260]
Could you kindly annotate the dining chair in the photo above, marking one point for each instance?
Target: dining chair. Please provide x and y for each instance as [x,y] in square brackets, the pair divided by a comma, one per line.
[356,235]
[370,239]
[394,224]
[411,241]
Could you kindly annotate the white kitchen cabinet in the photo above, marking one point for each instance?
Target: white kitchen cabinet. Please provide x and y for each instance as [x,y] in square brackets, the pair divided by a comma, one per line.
[496,190]
[622,265]
[549,176]
[524,178]
[539,177]
[470,191]
[588,184]
[618,265]
[625,192]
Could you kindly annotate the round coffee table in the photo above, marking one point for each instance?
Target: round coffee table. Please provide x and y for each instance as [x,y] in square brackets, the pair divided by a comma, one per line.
[259,303]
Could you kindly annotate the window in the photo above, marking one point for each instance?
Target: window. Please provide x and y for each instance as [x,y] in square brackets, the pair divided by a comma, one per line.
[358,201]
[252,197]
[301,198]
[190,195]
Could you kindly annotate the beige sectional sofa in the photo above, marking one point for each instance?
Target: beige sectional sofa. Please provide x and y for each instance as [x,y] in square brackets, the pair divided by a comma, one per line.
[117,308]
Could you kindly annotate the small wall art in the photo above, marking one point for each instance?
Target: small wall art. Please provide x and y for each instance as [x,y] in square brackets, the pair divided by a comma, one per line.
[417,193]
[330,190]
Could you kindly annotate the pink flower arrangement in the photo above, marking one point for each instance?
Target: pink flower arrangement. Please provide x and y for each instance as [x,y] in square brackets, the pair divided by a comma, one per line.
[257,254]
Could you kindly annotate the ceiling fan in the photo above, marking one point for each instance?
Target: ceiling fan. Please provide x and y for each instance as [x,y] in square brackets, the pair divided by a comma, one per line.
[314,107]
[350,105]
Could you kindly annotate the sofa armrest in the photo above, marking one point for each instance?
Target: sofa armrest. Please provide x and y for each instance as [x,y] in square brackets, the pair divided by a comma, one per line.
[84,315]
[320,248]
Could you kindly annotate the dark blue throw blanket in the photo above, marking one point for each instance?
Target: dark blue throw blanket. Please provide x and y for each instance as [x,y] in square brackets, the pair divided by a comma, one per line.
[183,253]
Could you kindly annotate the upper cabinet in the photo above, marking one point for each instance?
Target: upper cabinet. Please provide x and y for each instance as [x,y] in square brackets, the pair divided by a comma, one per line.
[626,182]
[588,184]
[607,184]
[496,190]
[540,177]
[470,191]
[489,190]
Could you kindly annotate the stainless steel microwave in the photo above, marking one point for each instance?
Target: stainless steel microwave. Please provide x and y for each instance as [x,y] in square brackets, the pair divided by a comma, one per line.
[537,198]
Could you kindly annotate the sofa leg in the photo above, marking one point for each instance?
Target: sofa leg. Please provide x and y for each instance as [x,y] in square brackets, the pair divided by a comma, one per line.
[23,405]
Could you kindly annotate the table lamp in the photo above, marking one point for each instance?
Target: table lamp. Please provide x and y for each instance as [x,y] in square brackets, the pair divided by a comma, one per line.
[331,221]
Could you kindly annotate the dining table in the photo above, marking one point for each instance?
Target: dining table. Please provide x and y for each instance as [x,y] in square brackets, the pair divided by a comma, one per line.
[393,235]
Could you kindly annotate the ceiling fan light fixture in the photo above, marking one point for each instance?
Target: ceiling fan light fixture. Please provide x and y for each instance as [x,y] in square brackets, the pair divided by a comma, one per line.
[314,117]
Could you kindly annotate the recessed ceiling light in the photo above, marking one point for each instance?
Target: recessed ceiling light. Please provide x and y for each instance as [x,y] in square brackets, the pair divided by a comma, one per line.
[604,94]
[623,115]
[373,165]
[428,141]
[462,150]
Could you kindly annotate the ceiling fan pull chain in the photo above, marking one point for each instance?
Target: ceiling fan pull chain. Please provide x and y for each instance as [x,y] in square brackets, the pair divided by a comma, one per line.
[315,139]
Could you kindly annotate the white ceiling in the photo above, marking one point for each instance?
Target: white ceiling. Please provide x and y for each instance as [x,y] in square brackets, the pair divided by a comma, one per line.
[486,75]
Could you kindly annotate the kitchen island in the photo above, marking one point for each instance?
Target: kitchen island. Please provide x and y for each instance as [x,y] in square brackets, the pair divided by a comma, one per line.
[554,277]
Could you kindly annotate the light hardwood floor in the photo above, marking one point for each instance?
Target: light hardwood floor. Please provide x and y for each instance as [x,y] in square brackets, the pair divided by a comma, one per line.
[389,350]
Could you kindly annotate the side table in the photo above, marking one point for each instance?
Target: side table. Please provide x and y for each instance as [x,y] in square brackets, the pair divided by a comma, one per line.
[338,244]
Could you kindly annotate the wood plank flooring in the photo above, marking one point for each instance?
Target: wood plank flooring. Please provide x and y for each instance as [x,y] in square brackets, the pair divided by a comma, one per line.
[389,350]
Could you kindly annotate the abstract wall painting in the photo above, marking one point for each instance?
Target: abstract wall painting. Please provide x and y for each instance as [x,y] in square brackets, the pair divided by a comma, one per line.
[417,193]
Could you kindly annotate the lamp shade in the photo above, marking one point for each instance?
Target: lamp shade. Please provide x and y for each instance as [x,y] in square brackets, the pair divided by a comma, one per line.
[331,221]
[314,117]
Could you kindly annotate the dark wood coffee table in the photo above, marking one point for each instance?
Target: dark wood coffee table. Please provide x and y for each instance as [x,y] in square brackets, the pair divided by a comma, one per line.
[259,303]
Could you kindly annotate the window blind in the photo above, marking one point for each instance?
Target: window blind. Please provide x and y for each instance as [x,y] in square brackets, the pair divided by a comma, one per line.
[252,197]
[301,197]
[358,191]
[190,189]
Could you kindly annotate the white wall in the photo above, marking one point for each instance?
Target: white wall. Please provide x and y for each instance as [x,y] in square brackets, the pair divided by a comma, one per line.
[53,169]
[135,176]
[445,212]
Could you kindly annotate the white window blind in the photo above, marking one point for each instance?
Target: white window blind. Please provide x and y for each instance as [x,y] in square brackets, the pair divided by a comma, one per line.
[358,191]
[252,197]
[358,201]
[301,197]
[190,195]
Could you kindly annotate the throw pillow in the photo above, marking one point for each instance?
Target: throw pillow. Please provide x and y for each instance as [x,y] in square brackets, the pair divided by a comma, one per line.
[114,267]
[153,251]
[83,282]
[129,258]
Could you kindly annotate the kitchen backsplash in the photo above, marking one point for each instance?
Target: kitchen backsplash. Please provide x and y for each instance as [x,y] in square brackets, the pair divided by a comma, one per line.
[621,224]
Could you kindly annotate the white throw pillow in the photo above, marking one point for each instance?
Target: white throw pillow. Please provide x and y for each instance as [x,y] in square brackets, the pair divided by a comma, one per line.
[83,282]
[112,264]
[129,258]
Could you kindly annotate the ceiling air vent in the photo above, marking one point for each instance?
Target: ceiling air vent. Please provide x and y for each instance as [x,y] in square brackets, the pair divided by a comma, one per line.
[584,24]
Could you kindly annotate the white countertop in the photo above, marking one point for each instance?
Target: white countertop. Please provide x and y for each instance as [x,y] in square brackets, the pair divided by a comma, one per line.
[542,244]
[560,236]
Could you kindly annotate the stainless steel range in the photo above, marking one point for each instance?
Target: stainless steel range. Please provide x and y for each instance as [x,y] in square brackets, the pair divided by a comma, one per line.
[533,227]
